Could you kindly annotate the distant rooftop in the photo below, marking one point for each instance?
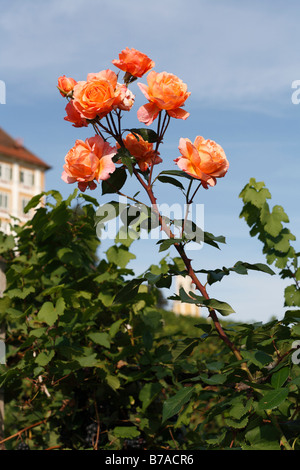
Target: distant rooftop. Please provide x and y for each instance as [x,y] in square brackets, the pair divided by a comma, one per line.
[14,148]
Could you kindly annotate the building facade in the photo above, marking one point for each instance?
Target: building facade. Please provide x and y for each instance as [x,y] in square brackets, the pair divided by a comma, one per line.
[182,308]
[22,176]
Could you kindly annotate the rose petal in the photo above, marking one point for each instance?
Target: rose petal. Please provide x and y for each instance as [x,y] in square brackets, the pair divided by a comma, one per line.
[148,113]
[178,113]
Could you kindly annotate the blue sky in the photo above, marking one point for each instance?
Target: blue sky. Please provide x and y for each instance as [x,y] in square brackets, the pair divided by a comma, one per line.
[239,60]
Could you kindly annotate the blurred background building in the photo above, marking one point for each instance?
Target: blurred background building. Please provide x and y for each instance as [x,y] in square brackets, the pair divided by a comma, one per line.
[22,176]
[182,308]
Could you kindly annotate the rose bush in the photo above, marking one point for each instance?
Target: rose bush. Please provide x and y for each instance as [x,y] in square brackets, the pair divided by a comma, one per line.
[93,362]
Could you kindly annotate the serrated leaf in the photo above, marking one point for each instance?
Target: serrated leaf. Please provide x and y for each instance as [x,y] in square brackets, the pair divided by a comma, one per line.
[113,382]
[20,293]
[166,244]
[173,405]
[273,399]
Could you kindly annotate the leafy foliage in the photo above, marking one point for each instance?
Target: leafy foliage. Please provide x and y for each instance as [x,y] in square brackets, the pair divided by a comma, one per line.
[94,363]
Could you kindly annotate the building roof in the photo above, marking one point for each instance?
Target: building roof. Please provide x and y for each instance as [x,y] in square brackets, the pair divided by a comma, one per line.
[10,147]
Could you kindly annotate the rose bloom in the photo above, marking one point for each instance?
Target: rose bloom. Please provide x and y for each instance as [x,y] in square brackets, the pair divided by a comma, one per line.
[74,116]
[126,97]
[164,91]
[65,85]
[142,151]
[87,161]
[204,160]
[134,62]
[97,96]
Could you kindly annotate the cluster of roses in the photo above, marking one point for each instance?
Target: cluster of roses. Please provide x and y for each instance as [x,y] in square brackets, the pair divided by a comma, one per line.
[101,96]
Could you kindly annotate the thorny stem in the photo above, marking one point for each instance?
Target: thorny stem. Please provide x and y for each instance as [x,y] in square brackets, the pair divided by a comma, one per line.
[179,247]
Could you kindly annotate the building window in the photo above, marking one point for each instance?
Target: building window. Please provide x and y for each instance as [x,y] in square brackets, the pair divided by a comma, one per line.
[3,201]
[27,177]
[5,172]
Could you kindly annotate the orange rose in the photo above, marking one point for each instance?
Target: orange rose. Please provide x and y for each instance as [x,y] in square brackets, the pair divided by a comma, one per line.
[133,62]
[164,91]
[97,96]
[142,151]
[204,160]
[65,85]
[87,161]
[74,116]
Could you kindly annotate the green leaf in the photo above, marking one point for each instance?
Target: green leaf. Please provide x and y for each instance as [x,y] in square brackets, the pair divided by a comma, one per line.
[69,256]
[115,182]
[124,432]
[263,437]
[273,399]
[292,296]
[100,338]
[184,347]
[212,240]
[113,382]
[148,393]
[170,180]
[148,135]
[126,158]
[120,256]
[173,405]
[165,244]
[259,358]
[34,201]
[115,327]
[216,379]
[280,377]
[129,291]
[7,243]
[106,298]
[49,314]
[44,358]
[222,307]
[179,173]
[254,267]
[90,360]
[20,293]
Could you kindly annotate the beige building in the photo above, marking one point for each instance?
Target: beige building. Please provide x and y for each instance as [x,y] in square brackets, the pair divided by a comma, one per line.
[182,308]
[22,176]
